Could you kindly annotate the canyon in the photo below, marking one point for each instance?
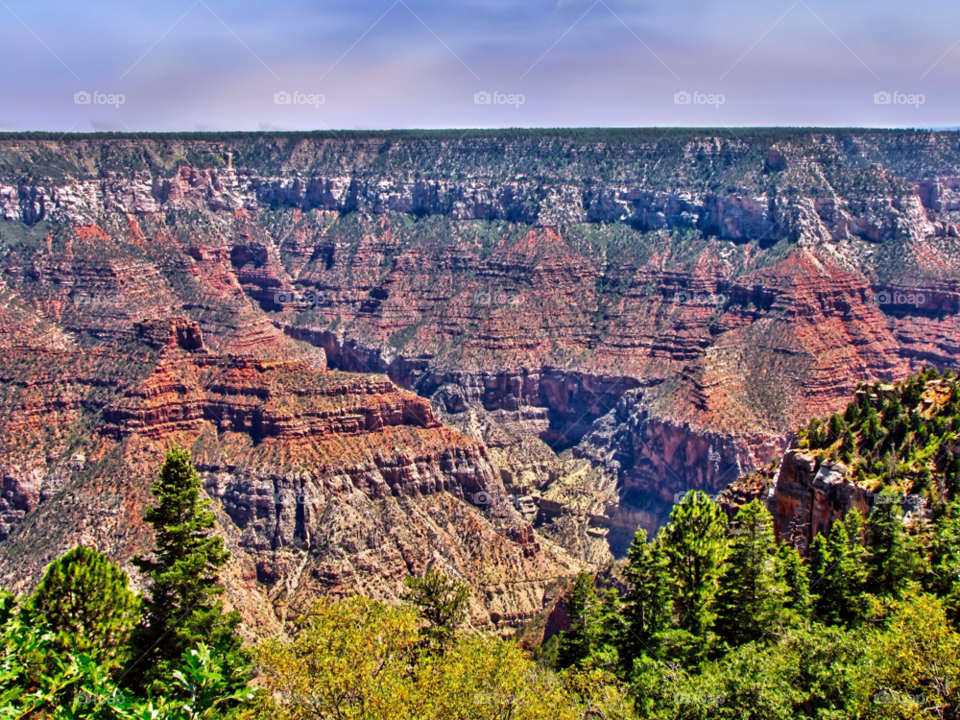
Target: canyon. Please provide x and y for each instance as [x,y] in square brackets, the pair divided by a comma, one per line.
[495,353]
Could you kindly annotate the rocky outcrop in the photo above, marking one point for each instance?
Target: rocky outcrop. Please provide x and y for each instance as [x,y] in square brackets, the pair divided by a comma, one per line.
[806,495]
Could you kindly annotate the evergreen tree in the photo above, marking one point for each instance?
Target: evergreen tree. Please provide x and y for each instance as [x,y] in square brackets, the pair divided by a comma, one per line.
[695,545]
[182,607]
[441,602]
[647,609]
[839,571]
[609,635]
[891,562]
[944,576]
[751,598]
[85,600]
[583,614]
[792,572]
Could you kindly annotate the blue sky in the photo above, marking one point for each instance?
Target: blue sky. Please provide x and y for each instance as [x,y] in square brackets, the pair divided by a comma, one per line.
[216,65]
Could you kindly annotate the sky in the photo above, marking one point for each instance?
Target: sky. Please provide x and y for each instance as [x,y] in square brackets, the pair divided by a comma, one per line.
[252,65]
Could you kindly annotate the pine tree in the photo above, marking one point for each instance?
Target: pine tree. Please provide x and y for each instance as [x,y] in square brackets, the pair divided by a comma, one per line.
[182,606]
[944,575]
[751,598]
[892,561]
[583,614]
[647,608]
[792,572]
[441,602]
[86,601]
[695,545]
[839,571]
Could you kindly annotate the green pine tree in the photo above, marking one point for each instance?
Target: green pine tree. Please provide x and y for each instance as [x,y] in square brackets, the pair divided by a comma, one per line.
[441,602]
[695,545]
[892,562]
[583,614]
[751,598]
[86,601]
[182,606]
[839,571]
[792,572]
[648,604]
[944,572]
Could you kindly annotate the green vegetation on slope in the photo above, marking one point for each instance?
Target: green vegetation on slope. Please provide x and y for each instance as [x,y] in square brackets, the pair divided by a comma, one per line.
[717,619]
[896,435]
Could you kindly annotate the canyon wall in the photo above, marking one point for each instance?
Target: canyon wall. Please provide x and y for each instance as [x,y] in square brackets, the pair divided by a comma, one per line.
[497,353]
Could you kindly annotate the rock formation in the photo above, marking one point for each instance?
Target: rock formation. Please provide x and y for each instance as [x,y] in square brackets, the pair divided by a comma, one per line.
[600,321]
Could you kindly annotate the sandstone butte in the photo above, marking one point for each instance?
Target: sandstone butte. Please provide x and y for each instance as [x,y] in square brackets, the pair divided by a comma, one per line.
[497,354]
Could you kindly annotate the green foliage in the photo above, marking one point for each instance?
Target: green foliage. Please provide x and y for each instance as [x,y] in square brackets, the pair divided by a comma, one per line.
[839,571]
[892,562]
[867,628]
[792,572]
[85,600]
[896,435]
[943,574]
[752,594]
[648,607]
[182,607]
[695,545]
[583,614]
[39,679]
[365,660]
[441,602]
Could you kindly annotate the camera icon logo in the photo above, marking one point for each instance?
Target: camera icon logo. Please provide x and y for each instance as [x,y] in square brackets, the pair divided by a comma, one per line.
[683,297]
[882,98]
[281,98]
[81,98]
[482,498]
[884,298]
[681,98]
[481,98]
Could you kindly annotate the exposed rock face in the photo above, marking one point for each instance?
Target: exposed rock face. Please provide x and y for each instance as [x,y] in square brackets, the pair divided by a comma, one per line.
[805,499]
[325,482]
[806,495]
[661,312]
